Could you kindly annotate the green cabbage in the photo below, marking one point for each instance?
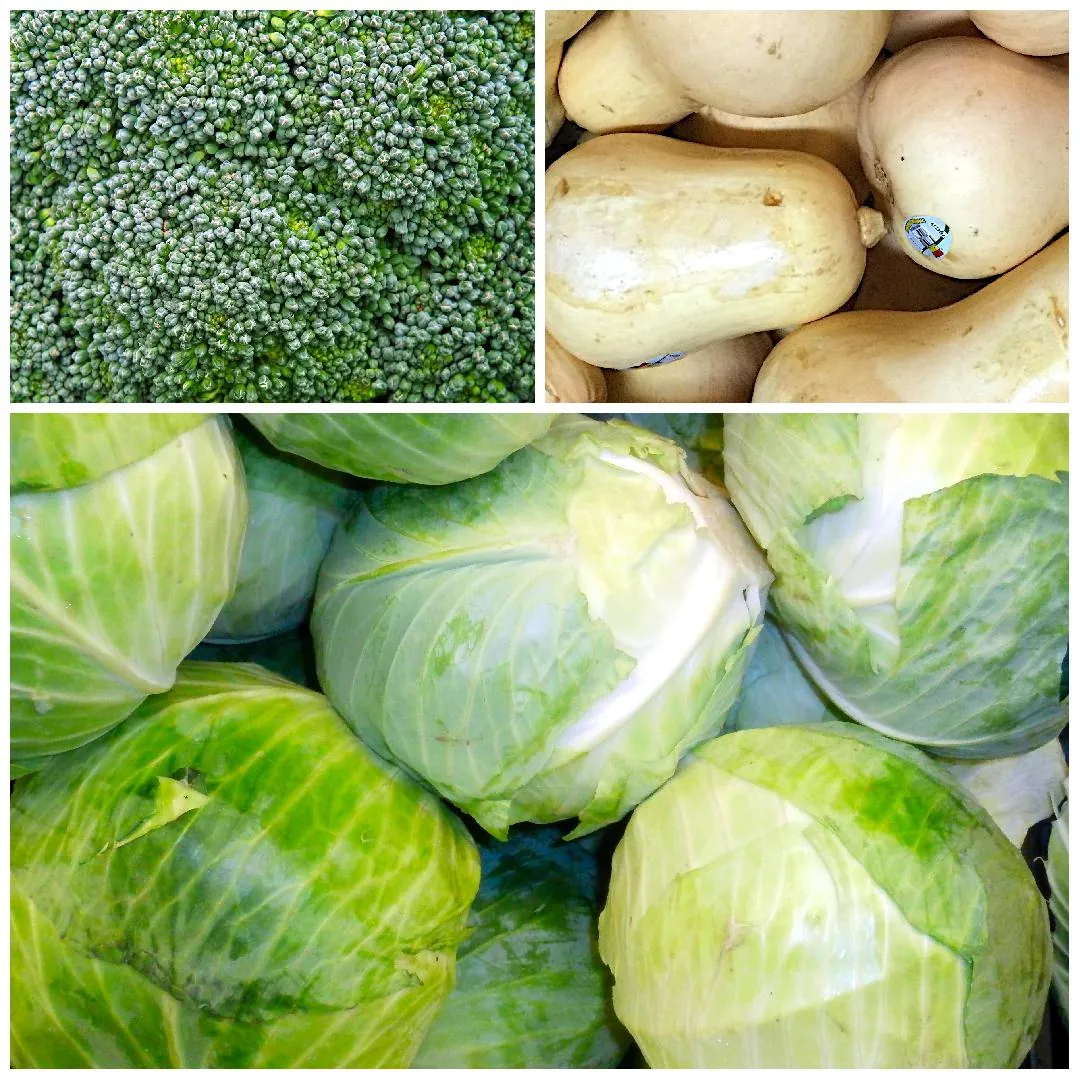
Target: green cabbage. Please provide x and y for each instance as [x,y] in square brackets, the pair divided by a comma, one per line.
[821,896]
[231,879]
[1016,791]
[1057,875]
[701,435]
[921,566]
[531,990]
[126,534]
[294,508]
[776,690]
[290,655]
[547,640]
[438,448]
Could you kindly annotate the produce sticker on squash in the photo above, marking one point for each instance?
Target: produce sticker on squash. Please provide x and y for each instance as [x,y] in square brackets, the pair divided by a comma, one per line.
[665,359]
[929,236]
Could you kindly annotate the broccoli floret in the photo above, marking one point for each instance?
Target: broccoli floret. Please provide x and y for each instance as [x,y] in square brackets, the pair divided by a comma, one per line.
[272,206]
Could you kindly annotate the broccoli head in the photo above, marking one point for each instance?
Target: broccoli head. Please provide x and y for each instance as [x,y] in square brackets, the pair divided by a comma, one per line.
[272,206]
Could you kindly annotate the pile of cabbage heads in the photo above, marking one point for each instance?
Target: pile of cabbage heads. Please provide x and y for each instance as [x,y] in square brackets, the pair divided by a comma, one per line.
[511,740]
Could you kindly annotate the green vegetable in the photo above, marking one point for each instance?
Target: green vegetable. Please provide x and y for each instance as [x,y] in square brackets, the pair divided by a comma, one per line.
[230,879]
[776,690]
[821,896]
[294,508]
[1015,791]
[701,435]
[921,566]
[290,655]
[547,640]
[1057,874]
[415,449]
[282,206]
[531,990]
[125,539]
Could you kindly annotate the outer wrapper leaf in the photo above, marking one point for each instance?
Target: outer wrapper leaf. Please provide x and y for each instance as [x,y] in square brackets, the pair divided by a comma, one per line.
[113,582]
[408,449]
[303,909]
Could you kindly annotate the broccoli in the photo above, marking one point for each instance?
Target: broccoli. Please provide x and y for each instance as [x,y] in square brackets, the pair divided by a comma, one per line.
[272,206]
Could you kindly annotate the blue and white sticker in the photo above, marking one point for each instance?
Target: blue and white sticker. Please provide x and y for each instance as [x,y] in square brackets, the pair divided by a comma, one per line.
[929,236]
[665,359]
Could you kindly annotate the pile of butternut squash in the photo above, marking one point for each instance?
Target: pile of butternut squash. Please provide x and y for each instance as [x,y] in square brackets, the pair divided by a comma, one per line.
[807,206]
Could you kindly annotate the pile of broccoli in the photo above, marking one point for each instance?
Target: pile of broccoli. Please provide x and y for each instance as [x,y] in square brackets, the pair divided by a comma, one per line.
[272,206]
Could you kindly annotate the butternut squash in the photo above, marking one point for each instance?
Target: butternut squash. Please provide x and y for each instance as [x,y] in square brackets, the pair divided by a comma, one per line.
[554,114]
[1006,344]
[643,70]
[1036,33]
[966,147]
[829,132]
[566,378]
[909,27]
[656,246]
[723,371]
[560,26]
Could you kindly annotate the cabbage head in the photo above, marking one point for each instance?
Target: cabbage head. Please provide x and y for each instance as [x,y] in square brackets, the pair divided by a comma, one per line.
[701,435]
[547,640]
[1057,876]
[420,448]
[921,566]
[231,879]
[776,690]
[822,897]
[290,655]
[531,989]
[294,507]
[126,533]
[1016,791]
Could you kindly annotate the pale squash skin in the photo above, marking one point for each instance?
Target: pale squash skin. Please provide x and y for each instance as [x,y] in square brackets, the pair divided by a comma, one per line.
[566,378]
[724,371]
[909,27]
[643,70]
[976,136]
[1006,344]
[656,246]
[608,83]
[560,26]
[1035,33]
[830,132]
[554,114]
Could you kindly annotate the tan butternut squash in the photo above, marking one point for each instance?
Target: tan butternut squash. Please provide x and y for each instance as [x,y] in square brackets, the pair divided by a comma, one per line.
[1036,33]
[1007,343]
[909,27]
[608,83]
[656,246]
[830,132]
[560,26]
[723,371]
[554,114]
[966,146]
[566,378]
[643,70]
